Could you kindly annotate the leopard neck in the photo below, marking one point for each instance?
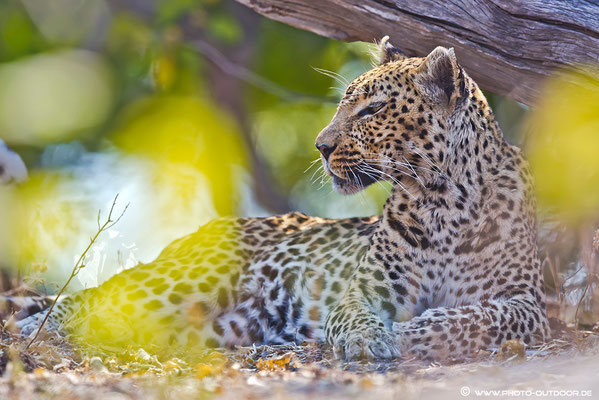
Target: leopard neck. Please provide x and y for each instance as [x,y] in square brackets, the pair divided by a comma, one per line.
[479,168]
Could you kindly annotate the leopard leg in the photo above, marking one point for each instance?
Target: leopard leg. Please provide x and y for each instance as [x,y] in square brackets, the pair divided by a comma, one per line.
[355,332]
[442,333]
[359,326]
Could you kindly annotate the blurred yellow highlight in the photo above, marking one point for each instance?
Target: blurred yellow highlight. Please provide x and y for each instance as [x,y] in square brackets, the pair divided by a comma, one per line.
[37,223]
[164,72]
[180,132]
[563,147]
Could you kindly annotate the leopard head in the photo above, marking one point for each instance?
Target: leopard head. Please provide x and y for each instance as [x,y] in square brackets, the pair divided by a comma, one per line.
[391,123]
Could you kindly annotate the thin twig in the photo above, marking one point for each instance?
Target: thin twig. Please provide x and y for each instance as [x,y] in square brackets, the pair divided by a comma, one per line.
[586,259]
[571,276]
[554,274]
[79,265]
[242,73]
[586,288]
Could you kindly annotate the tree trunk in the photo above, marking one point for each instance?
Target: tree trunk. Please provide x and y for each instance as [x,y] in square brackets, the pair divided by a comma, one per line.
[507,46]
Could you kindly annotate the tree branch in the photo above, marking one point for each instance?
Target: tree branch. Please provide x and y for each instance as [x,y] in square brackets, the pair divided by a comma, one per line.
[507,46]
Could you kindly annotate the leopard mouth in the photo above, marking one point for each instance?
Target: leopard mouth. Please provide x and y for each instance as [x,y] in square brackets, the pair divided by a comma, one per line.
[356,179]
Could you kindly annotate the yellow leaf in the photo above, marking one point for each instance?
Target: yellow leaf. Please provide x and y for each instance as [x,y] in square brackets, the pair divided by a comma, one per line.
[281,363]
[204,370]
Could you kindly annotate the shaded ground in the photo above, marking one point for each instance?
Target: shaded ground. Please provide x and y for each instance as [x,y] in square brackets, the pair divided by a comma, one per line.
[563,368]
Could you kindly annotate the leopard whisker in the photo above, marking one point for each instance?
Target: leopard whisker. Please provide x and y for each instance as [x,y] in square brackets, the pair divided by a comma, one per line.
[323,177]
[439,173]
[393,179]
[316,174]
[396,162]
[436,169]
[358,181]
[412,173]
[312,163]
[333,75]
[319,171]
[373,177]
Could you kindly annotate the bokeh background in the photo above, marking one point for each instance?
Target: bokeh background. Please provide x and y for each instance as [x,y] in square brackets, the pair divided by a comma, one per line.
[188,109]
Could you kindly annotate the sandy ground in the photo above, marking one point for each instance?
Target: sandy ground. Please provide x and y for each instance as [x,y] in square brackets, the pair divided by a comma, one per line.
[49,371]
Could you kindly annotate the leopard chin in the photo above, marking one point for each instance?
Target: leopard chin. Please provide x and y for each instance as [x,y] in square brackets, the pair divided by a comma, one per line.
[355,181]
[345,186]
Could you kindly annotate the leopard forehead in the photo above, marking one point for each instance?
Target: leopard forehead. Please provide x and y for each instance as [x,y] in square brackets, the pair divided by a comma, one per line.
[381,81]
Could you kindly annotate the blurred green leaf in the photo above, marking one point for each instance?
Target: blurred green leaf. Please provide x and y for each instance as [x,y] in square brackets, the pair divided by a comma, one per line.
[224,28]
[169,11]
[18,36]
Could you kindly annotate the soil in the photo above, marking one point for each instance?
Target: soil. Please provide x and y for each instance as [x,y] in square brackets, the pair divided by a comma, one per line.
[50,369]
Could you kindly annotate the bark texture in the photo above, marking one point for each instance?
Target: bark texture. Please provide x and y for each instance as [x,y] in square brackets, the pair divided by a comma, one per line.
[507,46]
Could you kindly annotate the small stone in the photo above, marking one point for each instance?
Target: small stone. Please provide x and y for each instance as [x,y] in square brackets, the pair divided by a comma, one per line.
[512,349]
[96,364]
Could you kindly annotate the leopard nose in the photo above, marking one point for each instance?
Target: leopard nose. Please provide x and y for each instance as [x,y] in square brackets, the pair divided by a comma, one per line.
[326,149]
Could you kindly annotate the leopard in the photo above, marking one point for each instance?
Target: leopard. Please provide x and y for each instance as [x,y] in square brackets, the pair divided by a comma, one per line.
[449,268]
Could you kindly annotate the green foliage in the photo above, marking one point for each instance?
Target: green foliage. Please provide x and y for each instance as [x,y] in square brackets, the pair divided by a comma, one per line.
[224,28]
[169,11]
[18,36]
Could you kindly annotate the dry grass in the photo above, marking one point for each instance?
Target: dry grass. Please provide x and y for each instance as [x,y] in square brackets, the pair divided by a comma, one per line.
[52,369]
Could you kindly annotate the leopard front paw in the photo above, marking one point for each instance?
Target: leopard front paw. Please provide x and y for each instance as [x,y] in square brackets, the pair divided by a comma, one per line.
[369,344]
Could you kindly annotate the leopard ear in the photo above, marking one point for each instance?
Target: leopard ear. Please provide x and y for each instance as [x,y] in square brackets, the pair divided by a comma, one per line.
[388,53]
[440,77]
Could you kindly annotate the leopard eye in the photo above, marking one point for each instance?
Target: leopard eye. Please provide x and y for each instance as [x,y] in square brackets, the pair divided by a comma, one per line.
[371,109]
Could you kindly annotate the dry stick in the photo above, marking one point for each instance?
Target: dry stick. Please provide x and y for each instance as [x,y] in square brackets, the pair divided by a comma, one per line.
[586,288]
[586,259]
[556,282]
[79,265]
